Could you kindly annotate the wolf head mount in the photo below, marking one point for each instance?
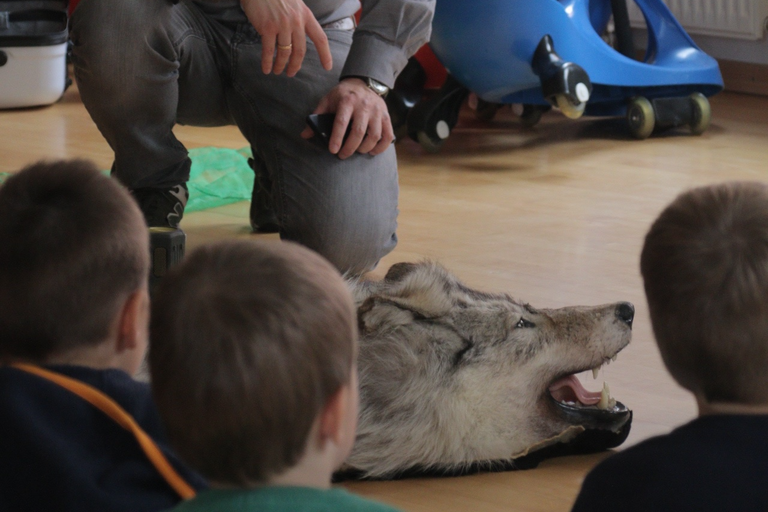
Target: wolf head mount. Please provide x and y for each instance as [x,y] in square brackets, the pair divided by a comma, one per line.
[453,380]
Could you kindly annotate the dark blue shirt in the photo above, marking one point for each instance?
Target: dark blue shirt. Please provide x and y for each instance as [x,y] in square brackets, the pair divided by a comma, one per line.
[716,463]
[59,453]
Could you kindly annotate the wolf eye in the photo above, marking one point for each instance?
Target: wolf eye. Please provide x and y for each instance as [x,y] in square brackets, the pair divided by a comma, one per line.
[523,323]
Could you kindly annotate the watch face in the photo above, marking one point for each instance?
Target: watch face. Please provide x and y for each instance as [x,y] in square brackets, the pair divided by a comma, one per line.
[378,87]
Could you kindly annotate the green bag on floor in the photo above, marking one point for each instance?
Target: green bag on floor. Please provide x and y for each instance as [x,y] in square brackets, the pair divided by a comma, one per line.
[218,176]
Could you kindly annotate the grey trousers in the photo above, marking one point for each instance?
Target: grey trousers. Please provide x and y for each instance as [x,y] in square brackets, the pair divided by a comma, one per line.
[144,65]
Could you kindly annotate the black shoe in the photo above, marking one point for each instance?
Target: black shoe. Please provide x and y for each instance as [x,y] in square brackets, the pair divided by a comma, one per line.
[263,218]
[162,207]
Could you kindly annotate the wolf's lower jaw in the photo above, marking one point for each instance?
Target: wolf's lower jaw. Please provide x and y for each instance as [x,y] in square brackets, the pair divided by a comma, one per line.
[579,407]
[612,419]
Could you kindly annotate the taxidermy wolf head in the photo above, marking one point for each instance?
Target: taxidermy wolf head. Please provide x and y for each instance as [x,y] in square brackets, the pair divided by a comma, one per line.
[453,380]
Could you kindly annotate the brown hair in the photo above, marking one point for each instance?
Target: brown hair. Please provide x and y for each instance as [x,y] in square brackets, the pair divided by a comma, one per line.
[73,246]
[705,270]
[249,340]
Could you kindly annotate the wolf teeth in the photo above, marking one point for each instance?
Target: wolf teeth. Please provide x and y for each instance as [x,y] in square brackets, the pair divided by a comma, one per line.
[606,362]
[606,402]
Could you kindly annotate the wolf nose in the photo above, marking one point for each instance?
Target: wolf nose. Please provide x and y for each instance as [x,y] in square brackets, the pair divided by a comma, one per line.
[626,313]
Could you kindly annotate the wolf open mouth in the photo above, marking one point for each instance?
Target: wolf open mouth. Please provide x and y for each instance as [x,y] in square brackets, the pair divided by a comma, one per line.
[589,409]
[455,380]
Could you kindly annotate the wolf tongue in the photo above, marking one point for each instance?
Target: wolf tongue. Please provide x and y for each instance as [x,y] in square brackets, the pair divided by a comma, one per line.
[569,388]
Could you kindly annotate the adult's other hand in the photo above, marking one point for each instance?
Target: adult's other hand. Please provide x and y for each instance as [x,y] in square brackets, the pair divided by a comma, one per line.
[285,25]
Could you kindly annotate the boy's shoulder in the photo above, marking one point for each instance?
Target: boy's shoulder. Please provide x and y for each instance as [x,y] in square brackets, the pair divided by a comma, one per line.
[34,409]
[341,500]
[716,434]
[277,499]
[53,441]
[690,465]
[27,389]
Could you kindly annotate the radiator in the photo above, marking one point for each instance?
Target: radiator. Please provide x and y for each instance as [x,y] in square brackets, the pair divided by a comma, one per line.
[740,19]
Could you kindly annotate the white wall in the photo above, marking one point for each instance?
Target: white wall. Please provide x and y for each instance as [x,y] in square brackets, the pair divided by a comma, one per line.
[755,52]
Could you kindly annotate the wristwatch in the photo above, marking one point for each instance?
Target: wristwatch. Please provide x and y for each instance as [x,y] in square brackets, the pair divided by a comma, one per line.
[374,85]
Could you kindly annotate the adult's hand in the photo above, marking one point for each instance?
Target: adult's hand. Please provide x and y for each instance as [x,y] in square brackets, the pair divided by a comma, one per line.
[285,25]
[353,102]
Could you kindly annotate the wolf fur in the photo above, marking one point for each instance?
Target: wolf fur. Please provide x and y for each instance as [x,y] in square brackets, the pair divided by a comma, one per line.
[450,376]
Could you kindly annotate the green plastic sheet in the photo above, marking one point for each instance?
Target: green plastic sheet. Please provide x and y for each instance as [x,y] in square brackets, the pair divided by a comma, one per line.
[218,176]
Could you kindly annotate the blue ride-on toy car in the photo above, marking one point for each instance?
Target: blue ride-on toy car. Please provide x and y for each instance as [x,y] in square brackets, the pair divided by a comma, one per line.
[539,54]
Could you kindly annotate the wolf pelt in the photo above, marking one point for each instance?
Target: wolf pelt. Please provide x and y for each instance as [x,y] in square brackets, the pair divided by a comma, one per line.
[450,376]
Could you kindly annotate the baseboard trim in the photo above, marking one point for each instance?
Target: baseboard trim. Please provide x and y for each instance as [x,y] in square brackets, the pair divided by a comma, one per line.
[744,77]
[738,76]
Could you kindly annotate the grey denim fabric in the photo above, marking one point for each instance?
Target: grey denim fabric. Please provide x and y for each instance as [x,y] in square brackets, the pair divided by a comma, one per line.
[144,65]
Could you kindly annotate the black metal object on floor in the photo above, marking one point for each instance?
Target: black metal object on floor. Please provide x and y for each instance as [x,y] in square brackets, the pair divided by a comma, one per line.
[166,246]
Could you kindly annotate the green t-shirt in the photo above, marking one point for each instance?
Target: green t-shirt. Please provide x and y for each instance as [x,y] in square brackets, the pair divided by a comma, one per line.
[278,499]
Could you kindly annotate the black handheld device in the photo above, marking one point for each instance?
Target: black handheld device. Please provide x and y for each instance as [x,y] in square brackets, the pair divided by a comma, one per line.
[322,125]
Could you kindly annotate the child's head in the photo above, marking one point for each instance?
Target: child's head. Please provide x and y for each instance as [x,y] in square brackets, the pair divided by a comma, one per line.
[252,360]
[73,252]
[705,269]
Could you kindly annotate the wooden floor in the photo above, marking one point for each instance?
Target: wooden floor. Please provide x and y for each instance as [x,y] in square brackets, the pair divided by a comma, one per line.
[554,215]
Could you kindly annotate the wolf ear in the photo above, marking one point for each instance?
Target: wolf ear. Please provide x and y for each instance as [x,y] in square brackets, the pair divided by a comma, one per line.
[379,314]
[398,271]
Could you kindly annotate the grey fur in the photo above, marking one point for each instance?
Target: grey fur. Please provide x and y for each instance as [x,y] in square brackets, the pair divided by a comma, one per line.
[450,376]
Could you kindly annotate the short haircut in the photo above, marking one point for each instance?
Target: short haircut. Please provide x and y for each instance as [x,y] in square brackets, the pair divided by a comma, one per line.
[249,340]
[705,271]
[73,247]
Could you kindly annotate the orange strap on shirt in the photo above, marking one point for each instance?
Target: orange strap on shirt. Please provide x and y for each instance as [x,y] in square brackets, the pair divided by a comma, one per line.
[122,418]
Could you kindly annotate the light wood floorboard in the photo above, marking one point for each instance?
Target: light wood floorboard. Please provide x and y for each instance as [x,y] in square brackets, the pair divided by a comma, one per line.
[554,215]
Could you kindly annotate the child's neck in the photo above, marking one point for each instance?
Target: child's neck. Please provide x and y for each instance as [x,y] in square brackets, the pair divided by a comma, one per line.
[303,477]
[710,408]
[99,356]
[314,469]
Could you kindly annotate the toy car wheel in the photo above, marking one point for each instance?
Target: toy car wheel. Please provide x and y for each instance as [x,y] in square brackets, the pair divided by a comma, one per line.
[486,110]
[430,144]
[701,113]
[529,115]
[568,109]
[640,117]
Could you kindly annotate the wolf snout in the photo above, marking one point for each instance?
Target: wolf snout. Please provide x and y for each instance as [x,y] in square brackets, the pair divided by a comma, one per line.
[625,312]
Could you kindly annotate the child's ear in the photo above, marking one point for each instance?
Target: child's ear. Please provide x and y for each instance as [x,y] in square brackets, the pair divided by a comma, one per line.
[333,415]
[133,322]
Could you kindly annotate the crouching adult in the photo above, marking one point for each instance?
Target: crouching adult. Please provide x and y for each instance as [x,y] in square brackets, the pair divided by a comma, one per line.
[263,65]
